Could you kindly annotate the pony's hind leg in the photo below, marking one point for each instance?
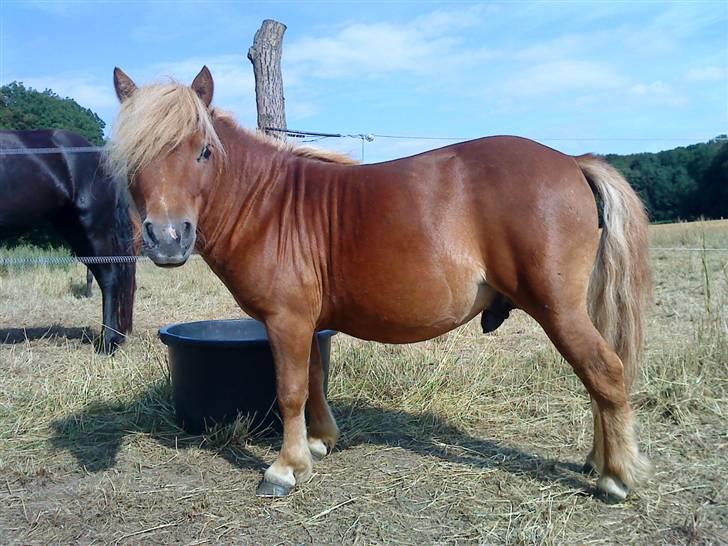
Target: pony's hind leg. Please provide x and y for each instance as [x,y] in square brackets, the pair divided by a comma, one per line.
[595,459]
[322,430]
[615,454]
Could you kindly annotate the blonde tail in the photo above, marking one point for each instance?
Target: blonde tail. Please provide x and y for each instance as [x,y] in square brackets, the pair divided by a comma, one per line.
[620,287]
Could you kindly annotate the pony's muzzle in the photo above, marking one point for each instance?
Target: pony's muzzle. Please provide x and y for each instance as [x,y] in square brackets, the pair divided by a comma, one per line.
[168,243]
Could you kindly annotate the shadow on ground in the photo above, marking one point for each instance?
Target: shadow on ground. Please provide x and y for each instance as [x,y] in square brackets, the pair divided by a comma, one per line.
[94,436]
[12,336]
[80,290]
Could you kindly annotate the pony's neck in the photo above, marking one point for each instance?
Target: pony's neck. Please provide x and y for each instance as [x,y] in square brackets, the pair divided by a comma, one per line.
[252,168]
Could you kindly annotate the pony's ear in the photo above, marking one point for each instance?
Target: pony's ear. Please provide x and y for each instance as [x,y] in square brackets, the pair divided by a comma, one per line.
[203,85]
[123,84]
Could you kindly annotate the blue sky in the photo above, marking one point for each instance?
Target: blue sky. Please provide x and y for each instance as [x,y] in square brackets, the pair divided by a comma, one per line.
[579,76]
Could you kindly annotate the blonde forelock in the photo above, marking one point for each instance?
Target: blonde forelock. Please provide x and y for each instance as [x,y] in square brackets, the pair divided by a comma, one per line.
[154,120]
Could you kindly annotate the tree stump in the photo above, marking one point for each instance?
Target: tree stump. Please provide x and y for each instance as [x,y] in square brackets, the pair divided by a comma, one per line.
[265,54]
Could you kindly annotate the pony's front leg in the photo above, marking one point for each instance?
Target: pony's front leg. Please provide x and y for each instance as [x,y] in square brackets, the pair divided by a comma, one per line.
[290,341]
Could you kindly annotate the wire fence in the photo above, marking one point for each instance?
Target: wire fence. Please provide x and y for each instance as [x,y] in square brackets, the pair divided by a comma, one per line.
[371,137]
[60,150]
[39,261]
[688,249]
[364,137]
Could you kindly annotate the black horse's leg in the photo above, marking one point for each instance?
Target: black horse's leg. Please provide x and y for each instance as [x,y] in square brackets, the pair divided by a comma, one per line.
[89,282]
[83,243]
[111,335]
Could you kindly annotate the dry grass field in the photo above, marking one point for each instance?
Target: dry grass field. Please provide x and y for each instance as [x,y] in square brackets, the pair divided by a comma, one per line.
[468,438]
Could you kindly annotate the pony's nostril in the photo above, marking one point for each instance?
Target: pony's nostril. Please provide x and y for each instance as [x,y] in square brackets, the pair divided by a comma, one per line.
[149,229]
[187,229]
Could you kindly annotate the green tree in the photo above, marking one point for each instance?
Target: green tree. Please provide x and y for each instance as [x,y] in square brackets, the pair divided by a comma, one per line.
[714,185]
[682,183]
[24,108]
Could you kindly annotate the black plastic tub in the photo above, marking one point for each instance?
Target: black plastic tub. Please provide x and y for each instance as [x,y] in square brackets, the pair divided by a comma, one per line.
[222,368]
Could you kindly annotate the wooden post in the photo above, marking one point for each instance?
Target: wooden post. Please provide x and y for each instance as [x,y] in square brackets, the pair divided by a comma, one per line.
[265,54]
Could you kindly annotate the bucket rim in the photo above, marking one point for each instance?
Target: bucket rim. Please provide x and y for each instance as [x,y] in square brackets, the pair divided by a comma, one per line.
[171,338]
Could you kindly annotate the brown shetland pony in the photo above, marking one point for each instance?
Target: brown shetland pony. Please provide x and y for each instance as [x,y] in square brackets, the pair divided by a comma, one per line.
[396,252]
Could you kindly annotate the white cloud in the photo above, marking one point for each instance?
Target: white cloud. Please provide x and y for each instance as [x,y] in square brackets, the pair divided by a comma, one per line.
[682,19]
[425,44]
[557,76]
[707,74]
[366,50]
[658,92]
[654,88]
[556,48]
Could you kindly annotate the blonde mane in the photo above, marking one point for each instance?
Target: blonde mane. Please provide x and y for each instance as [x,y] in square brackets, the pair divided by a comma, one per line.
[159,117]
[156,119]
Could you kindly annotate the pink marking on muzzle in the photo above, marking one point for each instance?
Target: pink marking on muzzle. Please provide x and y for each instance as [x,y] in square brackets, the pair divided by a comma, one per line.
[172,232]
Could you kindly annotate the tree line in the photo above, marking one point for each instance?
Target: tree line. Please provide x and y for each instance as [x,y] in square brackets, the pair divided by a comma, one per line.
[684,183]
[24,108]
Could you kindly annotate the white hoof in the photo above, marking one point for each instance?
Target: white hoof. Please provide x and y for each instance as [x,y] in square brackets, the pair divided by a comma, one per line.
[280,475]
[317,448]
[614,488]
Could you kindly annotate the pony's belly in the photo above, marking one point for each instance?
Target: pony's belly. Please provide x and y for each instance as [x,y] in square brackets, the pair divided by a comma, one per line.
[415,316]
[391,332]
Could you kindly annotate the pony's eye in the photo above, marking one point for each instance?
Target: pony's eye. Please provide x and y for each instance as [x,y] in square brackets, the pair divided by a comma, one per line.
[205,153]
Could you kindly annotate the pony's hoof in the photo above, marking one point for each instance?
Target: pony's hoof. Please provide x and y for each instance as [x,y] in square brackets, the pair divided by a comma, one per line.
[317,448]
[272,490]
[614,490]
[589,469]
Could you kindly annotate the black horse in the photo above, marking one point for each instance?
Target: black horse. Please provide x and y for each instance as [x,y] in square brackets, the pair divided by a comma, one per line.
[90,210]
